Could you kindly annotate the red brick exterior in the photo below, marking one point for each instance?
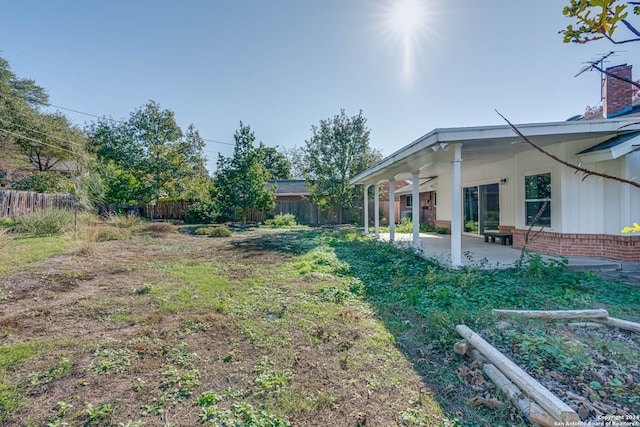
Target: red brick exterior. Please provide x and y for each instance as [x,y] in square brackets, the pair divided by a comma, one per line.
[622,248]
[617,93]
[443,224]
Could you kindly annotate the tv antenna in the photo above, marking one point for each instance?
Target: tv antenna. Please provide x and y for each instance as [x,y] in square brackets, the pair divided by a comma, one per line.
[598,64]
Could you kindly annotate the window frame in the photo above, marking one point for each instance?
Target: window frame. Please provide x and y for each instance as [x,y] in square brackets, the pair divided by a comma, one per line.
[538,201]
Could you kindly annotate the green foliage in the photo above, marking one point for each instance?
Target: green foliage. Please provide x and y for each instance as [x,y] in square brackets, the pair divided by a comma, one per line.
[148,156]
[442,297]
[597,19]
[241,180]
[94,415]
[442,230]
[57,371]
[43,182]
[203,212]
[276,163]
[30,135]
[220,231]
[46,222]
[238,414]
[337,151]
[282,220]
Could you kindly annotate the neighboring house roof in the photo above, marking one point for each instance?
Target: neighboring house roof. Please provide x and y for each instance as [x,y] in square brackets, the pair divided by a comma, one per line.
[425,185]
[289,187]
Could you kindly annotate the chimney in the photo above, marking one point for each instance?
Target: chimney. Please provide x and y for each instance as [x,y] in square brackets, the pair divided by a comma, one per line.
[617,93]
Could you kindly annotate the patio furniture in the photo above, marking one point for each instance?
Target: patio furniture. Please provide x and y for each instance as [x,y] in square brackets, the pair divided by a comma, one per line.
[505,239]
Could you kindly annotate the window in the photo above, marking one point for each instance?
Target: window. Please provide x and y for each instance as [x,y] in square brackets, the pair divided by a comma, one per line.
[409,201]
[537,191]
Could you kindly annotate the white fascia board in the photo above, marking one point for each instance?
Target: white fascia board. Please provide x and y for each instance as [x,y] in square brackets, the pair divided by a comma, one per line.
[380,171]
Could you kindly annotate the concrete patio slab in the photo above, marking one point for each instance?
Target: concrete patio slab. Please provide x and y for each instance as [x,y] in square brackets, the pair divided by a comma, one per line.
[475,251]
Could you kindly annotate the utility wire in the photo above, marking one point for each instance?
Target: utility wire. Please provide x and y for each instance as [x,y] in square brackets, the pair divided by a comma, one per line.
[44,133]
[88,114]
[44,143]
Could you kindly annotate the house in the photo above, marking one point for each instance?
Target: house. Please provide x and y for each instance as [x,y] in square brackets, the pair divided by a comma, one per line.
[487,179]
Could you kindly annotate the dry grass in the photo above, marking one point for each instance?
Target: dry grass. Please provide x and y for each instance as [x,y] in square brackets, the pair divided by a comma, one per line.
[90,235]
[161,228]
[123,221]
[4,238]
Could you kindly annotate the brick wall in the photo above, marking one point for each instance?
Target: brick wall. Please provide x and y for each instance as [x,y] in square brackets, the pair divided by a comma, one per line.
[622,248]
[443,224]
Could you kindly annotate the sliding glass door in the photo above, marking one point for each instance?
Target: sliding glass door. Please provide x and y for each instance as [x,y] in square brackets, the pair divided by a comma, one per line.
[481,208]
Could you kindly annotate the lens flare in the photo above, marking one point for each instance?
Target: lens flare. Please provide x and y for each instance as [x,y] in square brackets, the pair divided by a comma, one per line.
[406,23]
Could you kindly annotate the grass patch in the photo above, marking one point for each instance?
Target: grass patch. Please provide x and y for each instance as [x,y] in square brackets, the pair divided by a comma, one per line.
[13,356]
[23,252]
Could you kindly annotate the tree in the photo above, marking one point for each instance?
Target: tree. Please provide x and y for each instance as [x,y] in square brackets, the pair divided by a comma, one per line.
[148,156]
[276,163]
[30,135]
[337,151]
[597,19]
[242,179]
[295,157]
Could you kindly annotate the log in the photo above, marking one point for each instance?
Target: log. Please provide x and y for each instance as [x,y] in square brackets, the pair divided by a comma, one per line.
[619,323]
[554,314]
[534,412]
[462,347]
[552,404]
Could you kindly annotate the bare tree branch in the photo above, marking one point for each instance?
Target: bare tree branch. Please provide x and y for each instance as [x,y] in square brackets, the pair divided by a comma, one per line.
[593,65]
[577,168]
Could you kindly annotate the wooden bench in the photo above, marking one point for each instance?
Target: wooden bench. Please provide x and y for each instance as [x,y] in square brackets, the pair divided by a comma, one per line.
[505,239]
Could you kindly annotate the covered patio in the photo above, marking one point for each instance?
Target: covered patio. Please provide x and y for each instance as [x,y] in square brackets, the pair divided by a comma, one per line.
[508,181]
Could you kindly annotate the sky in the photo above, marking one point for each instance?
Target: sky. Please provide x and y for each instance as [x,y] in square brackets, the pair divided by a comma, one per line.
[281,66]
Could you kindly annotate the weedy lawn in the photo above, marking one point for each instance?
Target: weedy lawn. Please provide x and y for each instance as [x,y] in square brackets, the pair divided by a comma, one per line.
[282,327]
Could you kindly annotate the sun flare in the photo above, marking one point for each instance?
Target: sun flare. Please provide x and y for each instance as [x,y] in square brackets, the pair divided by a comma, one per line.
[406,24]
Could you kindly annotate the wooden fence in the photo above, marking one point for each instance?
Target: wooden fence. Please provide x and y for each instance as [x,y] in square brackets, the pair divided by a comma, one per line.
[14,203]
[308,213]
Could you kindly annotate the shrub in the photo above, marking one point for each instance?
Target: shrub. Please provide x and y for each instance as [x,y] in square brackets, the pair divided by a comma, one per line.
[161,228]
[203,231]
[43,182]
[46,222]
[282,220]
[221,231]
[442,230]
[7,222]
[202,213]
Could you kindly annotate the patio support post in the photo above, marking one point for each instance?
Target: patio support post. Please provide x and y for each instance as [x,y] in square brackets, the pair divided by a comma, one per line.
[376,211]
[415,213]
[366,209]
[456,208]
[392,209]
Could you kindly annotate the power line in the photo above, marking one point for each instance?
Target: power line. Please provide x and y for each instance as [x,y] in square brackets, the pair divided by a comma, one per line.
[43,133]
[37,101]
[44,143]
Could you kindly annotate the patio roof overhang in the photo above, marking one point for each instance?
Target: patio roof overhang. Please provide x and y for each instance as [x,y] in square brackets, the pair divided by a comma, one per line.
[484,144]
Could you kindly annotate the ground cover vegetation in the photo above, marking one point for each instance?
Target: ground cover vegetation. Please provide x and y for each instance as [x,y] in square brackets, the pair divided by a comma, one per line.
[275,327]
